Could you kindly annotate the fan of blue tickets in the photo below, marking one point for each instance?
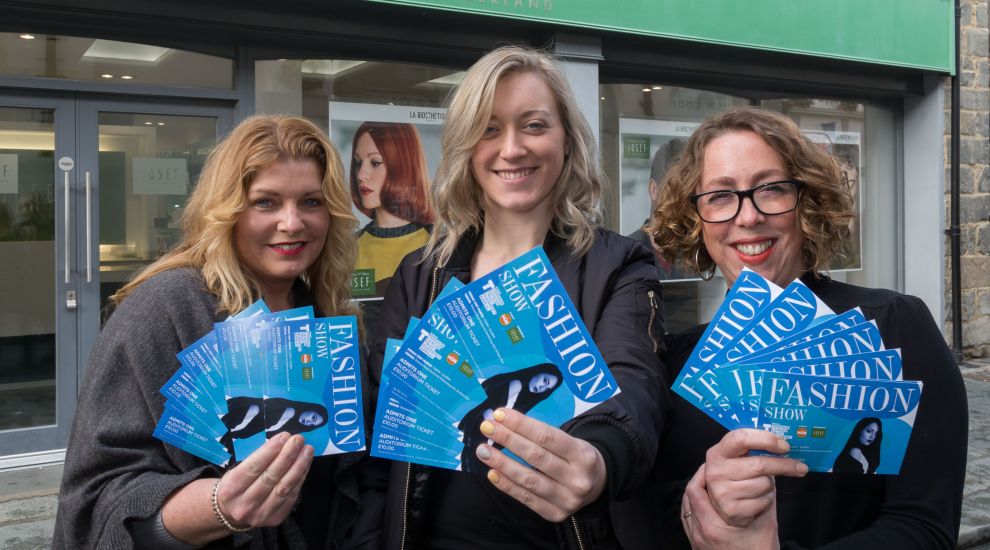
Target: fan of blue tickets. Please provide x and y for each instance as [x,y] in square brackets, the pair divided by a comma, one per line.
[781,360]
[259,374]
[509,339]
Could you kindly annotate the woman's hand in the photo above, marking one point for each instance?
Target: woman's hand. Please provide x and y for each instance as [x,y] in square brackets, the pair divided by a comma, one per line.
[707,530]
[567,473]
[259,492]
[741,487]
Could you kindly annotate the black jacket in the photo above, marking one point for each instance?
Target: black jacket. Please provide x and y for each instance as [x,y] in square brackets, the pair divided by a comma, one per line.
[616,291]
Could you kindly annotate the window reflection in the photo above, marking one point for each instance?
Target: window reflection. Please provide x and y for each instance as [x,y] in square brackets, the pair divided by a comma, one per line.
[644,130]
[27,274]
[838,127]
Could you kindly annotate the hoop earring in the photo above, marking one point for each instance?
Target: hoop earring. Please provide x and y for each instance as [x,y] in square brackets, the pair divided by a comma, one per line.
[705,275]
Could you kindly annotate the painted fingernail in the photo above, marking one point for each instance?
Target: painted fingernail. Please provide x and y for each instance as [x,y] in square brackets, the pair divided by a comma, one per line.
[499,415]
[484,453]
[493,477]
[487,428]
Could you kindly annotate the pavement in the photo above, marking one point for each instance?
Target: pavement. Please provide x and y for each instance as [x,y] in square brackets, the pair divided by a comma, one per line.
[974,531]
[28,496]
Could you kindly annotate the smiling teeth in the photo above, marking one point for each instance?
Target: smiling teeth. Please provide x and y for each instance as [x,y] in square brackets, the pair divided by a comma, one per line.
[515,174]
[753,249]
[291,246]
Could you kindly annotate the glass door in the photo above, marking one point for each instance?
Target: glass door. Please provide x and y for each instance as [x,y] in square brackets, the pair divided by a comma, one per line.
[91,190]
[38,339]
[142,160]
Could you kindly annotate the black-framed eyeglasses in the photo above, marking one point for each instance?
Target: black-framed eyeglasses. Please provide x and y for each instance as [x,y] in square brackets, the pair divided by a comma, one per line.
[770,199]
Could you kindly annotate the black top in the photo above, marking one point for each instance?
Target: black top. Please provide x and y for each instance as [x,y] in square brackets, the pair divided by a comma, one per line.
[919,508]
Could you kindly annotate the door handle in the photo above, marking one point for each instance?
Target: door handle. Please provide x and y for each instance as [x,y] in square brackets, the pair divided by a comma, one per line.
[89,232]
[65,242]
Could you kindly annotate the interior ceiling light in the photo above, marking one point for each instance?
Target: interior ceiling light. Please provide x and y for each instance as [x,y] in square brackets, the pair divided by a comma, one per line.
[647,90]
[126,77]
[148,123]
[657,87]
[453,79]
[106,75]
[161,124]
[124,51]
[327,66]
[27,36]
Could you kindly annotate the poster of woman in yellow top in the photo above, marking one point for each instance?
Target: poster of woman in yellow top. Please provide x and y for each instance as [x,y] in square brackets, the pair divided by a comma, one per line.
[393,151]
[389,184]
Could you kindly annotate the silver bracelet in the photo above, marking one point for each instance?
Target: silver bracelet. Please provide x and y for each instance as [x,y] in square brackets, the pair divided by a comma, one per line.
[220,517]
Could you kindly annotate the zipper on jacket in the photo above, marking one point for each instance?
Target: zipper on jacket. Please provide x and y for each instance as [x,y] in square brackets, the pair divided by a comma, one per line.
[433,290]
[577,532]
[405,506]
[405,495]
[653,316]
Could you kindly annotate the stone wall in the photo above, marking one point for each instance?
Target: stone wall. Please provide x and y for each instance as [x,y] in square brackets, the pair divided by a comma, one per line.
[974,179]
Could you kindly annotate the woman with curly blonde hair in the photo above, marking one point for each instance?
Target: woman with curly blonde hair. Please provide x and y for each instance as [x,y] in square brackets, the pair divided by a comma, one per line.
[519,170]
[269,218]
[750,191]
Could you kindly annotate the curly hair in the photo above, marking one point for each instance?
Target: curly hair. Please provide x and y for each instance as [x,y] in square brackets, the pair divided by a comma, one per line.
[220,196]
[406,192]
[824,212]
[576,195]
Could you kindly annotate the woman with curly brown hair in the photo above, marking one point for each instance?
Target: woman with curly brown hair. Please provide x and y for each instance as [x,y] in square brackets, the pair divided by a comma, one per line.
[751,191]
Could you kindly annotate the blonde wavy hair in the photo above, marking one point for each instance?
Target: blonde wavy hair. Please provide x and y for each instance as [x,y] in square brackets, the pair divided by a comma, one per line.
[221,195]
[824,212]
[576,195]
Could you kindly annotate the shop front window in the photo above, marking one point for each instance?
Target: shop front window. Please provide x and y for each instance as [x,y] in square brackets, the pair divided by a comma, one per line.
[385,120]
[862,137]
[644,128]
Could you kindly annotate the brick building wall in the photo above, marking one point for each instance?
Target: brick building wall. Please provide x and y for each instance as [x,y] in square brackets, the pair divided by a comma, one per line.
[974,179]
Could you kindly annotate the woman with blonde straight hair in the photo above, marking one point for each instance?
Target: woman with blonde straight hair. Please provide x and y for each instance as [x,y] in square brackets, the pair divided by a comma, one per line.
[520,169]
[575,207]
[269,218]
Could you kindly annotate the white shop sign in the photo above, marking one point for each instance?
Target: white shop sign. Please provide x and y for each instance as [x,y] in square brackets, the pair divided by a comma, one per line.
[8,173]
[160,176]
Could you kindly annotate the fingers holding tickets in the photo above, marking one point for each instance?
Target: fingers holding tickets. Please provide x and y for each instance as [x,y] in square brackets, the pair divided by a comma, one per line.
[740,486]
[262,490]
[707,530]
[567,473]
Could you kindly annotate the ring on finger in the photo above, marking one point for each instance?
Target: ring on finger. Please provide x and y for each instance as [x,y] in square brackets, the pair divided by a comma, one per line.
[686,514]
